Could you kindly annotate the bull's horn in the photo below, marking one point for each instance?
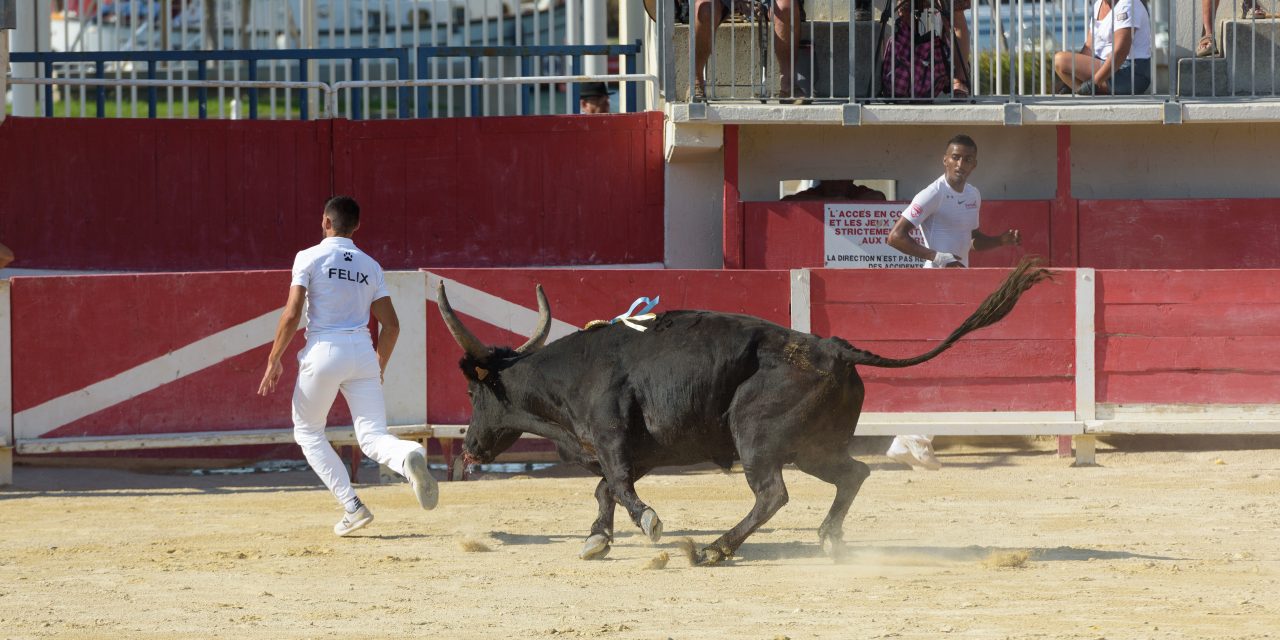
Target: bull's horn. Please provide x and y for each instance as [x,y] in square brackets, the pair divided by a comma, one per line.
[465,339]
[539,336]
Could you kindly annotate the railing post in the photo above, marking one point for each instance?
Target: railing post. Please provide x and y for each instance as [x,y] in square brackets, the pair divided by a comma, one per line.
[631,93]
[357,92]
[305,104]
[151,91]
[202,93]
[253,93]
[424,72]
[404,96]
[99,72]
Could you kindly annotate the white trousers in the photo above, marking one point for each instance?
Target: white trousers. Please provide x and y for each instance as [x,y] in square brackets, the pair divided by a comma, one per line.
[347,363]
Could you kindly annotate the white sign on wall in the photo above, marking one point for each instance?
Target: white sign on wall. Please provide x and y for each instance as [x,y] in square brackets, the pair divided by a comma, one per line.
[857,234]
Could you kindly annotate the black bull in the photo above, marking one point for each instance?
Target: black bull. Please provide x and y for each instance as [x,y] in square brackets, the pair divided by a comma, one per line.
[696,386]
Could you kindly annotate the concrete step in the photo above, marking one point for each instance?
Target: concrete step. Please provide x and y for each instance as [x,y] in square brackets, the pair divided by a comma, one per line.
[1202,77]
[1252,51]
[833,10]
[738,69]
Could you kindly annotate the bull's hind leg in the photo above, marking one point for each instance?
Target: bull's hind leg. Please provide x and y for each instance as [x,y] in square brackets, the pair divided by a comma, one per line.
[597,544]
[771,495]
[847,475]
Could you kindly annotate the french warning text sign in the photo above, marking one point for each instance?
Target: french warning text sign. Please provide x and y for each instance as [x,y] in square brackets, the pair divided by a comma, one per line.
[857,236]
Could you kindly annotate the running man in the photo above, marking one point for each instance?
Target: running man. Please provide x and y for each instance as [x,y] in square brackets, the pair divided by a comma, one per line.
[946,212]
[341,286]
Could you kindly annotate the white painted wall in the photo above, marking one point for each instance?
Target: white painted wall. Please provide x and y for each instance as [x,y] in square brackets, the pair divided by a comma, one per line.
[405,383]
[1175,161]
[694,212]
[1013,162]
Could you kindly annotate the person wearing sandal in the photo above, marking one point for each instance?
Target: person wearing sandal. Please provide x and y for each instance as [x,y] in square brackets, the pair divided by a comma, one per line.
[1116,57]
[1207,47]
[786,16]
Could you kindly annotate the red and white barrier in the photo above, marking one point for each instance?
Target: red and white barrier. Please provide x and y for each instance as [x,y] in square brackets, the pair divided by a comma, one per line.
[173,360]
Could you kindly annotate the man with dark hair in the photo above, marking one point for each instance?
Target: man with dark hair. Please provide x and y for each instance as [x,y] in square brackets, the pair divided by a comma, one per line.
[946,213]
[345,214]
[341,286]
[593,97]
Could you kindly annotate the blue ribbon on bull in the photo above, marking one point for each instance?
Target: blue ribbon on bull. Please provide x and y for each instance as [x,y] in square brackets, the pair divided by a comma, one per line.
[644,314]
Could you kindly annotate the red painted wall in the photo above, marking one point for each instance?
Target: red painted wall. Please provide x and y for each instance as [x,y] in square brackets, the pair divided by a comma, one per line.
[182,195]
[154,195]
[1025,362]
[1109,234]
[71,332]
[1180,234]
[578,297]
[789,235]
[1188,337]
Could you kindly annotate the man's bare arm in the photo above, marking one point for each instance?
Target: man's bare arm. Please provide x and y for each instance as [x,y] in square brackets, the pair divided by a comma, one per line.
[984,242]
[389,331]
[900,239]
[287,326]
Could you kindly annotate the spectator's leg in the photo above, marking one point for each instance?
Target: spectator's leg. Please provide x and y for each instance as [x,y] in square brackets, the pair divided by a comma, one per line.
[706,16]
[959,86]
[786,33]
[1074,68]
[1206,46]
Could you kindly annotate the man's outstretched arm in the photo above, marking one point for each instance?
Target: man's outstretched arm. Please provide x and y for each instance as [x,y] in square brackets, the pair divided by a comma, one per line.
[288,326]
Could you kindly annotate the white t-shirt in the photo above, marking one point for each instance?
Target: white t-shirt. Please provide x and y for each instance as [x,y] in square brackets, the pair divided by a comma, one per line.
[946,218]
[1124,14]
[341,283]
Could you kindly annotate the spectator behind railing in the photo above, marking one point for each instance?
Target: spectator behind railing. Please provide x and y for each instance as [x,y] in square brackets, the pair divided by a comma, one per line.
[786,16]
[836,191]
[1116,57]
[924,51]
[1249,10]
[593,97]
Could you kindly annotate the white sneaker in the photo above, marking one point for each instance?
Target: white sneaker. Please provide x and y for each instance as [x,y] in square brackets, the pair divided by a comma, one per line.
[916,452]
[424,485]
[355,520]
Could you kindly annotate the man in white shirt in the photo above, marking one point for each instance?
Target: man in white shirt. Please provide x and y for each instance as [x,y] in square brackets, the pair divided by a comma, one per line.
[946,212]
[341,286]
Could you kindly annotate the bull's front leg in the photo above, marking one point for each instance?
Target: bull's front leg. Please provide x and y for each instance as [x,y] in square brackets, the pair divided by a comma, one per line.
[597,544]
[621,474]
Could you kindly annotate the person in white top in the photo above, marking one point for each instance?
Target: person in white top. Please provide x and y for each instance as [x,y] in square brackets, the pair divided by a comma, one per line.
[946,212]
[341,286]
[1116,57]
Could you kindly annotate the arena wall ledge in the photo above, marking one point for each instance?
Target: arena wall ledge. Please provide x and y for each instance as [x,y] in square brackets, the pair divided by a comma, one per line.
[174,359]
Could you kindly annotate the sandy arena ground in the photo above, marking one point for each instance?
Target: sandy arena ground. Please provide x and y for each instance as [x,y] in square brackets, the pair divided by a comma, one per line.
[1149,545]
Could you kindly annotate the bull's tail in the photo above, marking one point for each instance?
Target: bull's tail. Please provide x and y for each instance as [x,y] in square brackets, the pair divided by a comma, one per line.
[993,309]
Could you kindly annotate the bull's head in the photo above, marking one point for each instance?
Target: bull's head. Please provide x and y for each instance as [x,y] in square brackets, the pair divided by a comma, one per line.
[489,433]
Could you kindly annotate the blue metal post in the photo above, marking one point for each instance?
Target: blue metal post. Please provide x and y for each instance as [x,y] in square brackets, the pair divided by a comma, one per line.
[473,65]
[575,89]
[201,74]
[631,86]
[403,96]
[48,90]
[424,73]
[151,91]
[253,93]
[99,69]
[526,91]
[302,75]
[355,93]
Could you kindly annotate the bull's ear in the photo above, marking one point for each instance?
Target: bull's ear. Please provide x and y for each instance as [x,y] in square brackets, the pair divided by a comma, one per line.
[481,373]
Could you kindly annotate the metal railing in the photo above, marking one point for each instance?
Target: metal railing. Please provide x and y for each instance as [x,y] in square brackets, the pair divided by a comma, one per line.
[465,90]
[925,51]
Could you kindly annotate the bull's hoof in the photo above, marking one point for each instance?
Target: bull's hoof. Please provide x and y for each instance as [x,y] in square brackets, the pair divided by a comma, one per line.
[834,548]
[711,556]
[651,525]
[595,548]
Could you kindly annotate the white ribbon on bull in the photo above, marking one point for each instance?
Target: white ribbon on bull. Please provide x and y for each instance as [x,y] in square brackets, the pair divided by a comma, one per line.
[644,315]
